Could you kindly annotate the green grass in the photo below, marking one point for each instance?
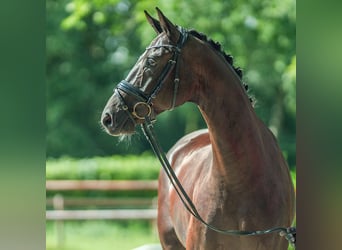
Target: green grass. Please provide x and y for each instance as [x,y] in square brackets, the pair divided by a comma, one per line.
[100,235]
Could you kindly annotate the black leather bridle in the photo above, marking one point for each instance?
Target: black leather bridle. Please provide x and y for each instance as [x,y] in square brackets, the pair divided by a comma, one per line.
[145,100]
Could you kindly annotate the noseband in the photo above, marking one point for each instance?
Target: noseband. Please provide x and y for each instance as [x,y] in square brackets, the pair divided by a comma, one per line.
[145,100]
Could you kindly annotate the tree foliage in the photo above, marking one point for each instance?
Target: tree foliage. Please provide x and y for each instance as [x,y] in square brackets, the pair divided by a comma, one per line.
[91,46]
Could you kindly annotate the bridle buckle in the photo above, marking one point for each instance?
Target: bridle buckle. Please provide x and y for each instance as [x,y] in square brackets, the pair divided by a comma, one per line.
[137,110]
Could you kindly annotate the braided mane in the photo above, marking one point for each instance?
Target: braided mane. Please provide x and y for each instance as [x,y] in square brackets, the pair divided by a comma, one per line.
[217,46]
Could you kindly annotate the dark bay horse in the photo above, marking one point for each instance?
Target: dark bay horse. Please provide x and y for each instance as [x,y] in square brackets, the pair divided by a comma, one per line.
[234,171]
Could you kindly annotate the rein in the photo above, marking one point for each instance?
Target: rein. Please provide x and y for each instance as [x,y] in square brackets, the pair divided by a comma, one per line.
[147,127]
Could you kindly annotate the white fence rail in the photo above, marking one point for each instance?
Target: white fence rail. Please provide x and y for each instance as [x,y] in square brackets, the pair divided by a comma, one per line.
[106,214]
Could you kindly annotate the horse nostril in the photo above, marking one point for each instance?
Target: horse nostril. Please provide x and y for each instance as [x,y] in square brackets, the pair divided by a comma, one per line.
[107,120]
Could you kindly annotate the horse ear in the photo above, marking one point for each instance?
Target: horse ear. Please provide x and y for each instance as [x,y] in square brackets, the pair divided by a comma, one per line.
[171,31]
[154,23]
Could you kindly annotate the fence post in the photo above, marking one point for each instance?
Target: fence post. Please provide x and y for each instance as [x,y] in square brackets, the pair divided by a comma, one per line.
[58,204]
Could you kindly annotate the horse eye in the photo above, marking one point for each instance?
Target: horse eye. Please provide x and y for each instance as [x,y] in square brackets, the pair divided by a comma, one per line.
[150,62]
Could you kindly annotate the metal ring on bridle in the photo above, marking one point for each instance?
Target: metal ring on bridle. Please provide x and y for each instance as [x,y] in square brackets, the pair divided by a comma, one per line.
[141,117]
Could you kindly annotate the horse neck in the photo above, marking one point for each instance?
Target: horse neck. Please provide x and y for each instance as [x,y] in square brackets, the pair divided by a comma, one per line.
[234,128]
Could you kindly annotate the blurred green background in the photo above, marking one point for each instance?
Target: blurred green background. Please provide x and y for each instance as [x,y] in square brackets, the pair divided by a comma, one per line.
[92,45]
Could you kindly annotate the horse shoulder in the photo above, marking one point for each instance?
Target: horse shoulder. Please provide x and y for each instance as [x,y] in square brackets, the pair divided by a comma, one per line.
[188,144]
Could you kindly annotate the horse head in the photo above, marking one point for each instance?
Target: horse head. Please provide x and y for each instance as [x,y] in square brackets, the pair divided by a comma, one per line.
[152,85]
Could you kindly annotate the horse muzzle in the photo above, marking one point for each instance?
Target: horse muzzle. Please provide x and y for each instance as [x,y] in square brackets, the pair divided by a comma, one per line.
[117,123]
